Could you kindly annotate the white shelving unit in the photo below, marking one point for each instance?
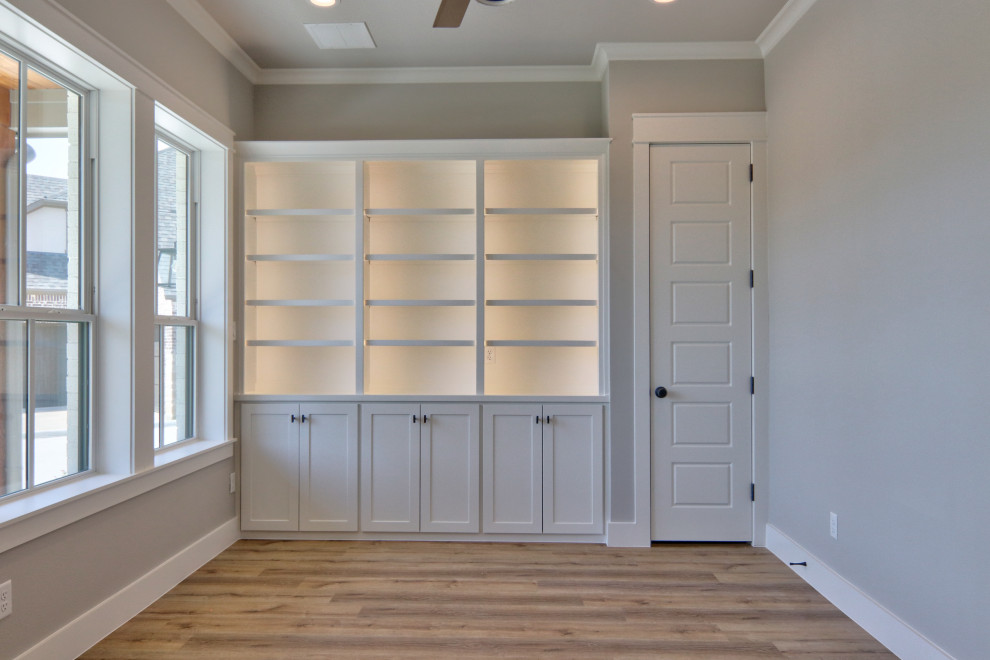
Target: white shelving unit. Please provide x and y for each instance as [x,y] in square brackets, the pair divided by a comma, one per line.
[440,269]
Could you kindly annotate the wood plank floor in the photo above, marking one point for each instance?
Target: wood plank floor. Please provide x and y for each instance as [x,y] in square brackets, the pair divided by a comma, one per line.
[342,599]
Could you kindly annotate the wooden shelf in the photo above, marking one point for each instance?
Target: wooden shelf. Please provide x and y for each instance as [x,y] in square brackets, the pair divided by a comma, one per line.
[517,256]
[305,343]
[300,257]
[299,303]
[418,303]
[541,211]
[541,303]
[438,211]
[419,342]
[276,212]
[419,257]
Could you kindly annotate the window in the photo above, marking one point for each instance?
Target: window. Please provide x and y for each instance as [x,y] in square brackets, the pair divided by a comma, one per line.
[45,315]
[175,324]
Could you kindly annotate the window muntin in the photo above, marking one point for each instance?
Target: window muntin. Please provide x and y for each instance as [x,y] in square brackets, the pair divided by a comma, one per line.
[175,331]
[44,324]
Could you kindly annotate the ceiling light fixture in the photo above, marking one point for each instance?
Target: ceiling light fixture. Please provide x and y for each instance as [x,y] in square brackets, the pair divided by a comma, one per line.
[662,2]
[324,3]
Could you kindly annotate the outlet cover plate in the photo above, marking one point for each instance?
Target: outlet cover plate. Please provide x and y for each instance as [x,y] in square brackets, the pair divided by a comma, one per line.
[833,525]
[6,599]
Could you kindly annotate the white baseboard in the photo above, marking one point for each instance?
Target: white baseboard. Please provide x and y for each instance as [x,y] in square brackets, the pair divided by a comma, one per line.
[628,535]
[74,638]
[902,640]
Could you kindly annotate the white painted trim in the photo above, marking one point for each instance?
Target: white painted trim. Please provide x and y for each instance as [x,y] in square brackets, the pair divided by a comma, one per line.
[727,127]
[213,32]
[413,75]
[685,50]
[77,636]
[25,518]
[897,635]
[626,535]
[781,24]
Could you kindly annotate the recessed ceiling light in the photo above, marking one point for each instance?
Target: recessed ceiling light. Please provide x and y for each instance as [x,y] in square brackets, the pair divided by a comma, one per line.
[324,3]
[661,2]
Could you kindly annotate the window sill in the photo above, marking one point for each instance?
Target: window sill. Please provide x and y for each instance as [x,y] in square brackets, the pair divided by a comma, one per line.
[32,515]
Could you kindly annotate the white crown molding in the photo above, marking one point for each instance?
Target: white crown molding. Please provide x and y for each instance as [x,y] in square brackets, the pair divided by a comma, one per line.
[213,32]
[782,23]
[410,75]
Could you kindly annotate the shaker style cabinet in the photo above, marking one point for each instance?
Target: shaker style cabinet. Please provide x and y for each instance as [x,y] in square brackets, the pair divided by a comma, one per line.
[419,468]
[299,467]
[543,469]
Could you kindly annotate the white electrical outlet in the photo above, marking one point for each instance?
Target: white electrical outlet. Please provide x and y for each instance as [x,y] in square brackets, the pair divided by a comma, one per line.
[490,354]
[833,525]
[6,599]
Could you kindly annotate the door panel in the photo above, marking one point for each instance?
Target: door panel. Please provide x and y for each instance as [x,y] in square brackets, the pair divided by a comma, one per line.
[700,210]
[269,467]
[572,469]
[390,468]
[513,446]
[449,460]
[328,466]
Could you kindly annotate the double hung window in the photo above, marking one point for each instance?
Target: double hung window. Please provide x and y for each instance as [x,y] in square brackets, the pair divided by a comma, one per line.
[175,302]
[45,303]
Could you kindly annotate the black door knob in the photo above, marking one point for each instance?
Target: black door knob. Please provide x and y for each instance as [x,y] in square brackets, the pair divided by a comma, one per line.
[661,392]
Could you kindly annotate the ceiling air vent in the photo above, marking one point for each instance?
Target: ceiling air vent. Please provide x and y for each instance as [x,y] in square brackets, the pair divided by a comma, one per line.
[340,35]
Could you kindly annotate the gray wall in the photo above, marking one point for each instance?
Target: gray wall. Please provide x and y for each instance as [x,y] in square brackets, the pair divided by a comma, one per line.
[427,111]
[880,303]
[157,37]
[635,87]
[61,575]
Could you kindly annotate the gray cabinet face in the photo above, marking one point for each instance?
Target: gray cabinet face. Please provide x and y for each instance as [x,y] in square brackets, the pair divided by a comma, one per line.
[390,468]
[450,469]
[328,468]
[269,467]
[572,469]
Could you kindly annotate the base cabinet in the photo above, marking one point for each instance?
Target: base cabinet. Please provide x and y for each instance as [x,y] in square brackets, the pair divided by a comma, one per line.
[543,469]
[299,469]
[419,468]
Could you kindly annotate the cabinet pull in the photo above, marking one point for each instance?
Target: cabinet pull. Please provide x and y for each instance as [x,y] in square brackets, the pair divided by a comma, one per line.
[537,419]
[426,418]
[303,419]
[548,419]
[414,419]
[292,419]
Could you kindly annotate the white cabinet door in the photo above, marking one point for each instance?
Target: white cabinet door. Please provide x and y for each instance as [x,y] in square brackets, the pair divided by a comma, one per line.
[270,467]
[390,467]
[512,491]
[449,468]
[328,465]
[572,469]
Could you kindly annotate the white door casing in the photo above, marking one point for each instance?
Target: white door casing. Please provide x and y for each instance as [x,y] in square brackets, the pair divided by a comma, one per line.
[701,341]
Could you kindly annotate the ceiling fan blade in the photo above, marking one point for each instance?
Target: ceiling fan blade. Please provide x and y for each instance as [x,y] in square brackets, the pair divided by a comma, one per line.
[451,13]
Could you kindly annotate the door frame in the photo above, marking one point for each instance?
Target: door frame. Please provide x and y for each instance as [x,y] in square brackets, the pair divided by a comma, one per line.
[697,128]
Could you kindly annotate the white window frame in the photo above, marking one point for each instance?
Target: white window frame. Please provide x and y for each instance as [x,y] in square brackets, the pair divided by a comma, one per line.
[32,315]
[190,318]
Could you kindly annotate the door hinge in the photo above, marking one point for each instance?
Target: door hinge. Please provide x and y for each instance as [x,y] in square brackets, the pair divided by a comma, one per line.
[752,279]
[752,492]
[752,384]
[751,172]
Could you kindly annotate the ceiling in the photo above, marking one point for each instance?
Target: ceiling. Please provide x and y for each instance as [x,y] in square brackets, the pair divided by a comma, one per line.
[266,35]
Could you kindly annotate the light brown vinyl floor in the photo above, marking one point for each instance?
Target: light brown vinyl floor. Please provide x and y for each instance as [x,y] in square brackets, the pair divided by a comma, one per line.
[361,599]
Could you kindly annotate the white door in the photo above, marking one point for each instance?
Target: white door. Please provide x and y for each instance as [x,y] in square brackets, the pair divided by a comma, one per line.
[700,298]
[390,467]
[513,476]
[449,468]
[328,467]
[572,469]
[270,466]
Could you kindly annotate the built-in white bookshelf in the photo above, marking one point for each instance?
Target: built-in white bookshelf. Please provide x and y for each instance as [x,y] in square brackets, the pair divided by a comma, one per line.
[446,273]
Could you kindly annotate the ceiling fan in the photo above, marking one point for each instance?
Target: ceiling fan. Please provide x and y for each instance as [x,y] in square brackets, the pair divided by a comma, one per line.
[451,12]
